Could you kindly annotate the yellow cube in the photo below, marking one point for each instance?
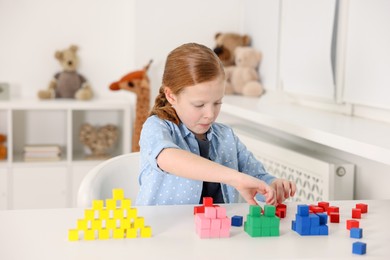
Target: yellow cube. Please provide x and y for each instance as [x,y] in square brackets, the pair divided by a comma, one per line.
[119,233]
[126,203]
[111,223]
[146,232]
[89,234]
[118,213]
[125,223]
[89,214]
[82,224]
[73,235]
[110,204]
[97,204]
[96,224]
[118,194]
[104,233]
[103,214]
[131,233]
[139,222]
[132,213]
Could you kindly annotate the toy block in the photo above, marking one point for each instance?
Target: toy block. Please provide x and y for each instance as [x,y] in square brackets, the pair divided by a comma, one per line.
[363,207]
[324,230]
[324,205]
[333,209]
[89,214]
[82,224]
[110,204]
[118,233]
[255,210]
[280,212]
[356,213]
[274,232]
[111,223]
[214,233]
[334,217]
[198,209]
[118,213]
[208,201]
[253,221]
[315,230]
[132,213]
[314,220]
[210,212]
[351,223]
[131,233]
[204,233]
[265,232]
[215,224]
[323,218]
[125,223]
[294,225]
[103,214]
[139,222]
[225,223]
[237,221]
[96,224]
[224,233]
[316,209]
[73,235]
[359,248]
[104,234]
[97,204]
[269,210]
[302,225]
[221,212]
[118,194]
[146,232]
[126,204]
[274,222]
[303,210]
[202,222]
[356,233]
[89,234]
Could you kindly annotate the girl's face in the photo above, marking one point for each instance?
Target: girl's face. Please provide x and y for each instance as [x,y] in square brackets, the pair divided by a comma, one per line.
[198,106]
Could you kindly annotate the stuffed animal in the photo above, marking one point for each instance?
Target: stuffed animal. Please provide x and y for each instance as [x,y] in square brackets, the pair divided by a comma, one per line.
[243,78]
[226,43]
[138,83]
[98,139]
[68,83]
[3,148]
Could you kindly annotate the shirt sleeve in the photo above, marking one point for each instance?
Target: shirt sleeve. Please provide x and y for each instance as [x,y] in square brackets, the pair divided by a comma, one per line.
[156,135]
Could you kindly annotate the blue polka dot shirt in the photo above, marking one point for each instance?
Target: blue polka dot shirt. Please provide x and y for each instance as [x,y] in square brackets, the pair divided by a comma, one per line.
[158,187]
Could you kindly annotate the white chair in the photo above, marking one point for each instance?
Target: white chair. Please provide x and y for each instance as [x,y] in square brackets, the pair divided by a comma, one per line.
[118,172]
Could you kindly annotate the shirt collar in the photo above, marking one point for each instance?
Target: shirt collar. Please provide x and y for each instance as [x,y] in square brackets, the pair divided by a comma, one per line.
[186,132]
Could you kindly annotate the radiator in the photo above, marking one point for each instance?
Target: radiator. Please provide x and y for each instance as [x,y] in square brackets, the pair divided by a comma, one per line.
[318,177]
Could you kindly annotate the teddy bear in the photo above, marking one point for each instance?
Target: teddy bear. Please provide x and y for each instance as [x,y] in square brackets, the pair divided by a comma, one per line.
[243,78]
[226,43]
[68,83]
[138,83]
[3,148]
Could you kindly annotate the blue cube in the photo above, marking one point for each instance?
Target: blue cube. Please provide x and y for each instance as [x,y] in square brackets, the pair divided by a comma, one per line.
[356,233]
[359,248]
[237,221]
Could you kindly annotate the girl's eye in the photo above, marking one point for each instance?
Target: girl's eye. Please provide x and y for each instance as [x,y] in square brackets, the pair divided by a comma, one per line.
[199,105]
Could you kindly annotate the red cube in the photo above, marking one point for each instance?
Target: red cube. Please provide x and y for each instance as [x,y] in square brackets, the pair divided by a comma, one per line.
[363,207]
[334,217]
[356,213]
[324,205]
[351,223]
[332,209]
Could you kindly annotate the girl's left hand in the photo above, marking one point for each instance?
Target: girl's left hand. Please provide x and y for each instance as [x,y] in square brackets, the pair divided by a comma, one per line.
[284,189]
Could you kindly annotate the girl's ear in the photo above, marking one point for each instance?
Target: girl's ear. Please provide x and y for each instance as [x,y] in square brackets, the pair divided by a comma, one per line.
[169,95]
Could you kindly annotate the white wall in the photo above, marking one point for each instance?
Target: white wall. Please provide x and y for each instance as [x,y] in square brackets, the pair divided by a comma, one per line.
[115,37]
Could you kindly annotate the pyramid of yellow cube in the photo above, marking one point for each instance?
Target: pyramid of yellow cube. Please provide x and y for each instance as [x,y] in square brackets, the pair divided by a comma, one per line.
[117,219]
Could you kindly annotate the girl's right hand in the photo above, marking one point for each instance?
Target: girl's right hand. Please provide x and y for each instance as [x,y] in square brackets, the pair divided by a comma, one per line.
[249,187]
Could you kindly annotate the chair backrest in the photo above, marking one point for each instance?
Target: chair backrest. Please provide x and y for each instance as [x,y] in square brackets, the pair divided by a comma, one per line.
[118,172]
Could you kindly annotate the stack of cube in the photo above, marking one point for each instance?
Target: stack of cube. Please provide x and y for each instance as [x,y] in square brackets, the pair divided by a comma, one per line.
[211,220]
[310,224]
[115,220]
[262,225]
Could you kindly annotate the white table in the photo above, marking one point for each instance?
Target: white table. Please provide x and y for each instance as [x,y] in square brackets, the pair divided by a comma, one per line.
[43,234]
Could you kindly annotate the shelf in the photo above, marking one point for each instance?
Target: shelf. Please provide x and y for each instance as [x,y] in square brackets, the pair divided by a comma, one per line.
[358,136]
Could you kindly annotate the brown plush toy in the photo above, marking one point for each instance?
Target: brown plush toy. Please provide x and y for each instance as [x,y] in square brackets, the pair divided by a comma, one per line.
[138,83]
[3,148]
[243,78]
[67,83]
[226,43]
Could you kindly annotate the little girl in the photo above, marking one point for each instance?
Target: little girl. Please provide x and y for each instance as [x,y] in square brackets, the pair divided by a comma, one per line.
[185,154]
